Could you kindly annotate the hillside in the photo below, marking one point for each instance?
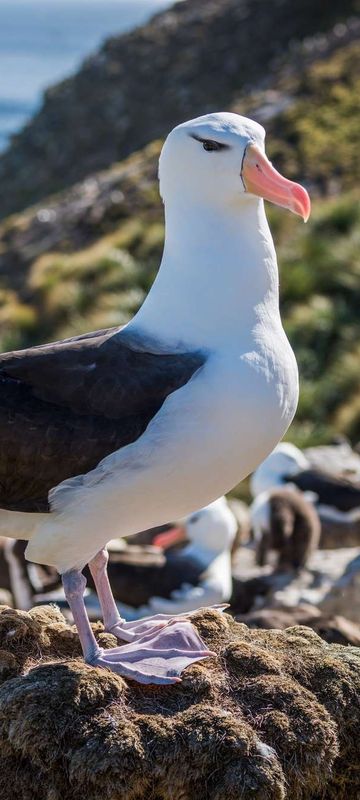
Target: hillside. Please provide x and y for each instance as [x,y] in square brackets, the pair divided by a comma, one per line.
[199,56]
[84,258]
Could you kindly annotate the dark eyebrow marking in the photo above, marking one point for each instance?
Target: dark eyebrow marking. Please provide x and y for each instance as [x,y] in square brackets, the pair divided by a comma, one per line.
[221,145]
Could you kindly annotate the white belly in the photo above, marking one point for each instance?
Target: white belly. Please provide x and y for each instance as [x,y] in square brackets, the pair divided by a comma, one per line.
[206,438]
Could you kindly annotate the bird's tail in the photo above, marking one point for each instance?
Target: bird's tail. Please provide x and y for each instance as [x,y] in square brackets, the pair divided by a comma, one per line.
[19,524]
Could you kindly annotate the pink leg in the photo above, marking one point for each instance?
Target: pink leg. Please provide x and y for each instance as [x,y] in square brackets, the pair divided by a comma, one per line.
[157,656]
[74,583]
[113,622]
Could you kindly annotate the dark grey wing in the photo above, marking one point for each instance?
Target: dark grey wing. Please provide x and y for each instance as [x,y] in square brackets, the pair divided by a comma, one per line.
[331,490]
[65,406]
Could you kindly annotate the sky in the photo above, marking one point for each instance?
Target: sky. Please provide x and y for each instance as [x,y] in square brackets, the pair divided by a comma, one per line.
[44,41]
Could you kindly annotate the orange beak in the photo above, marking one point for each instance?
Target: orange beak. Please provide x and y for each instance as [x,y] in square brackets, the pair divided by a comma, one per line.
[260,178]
[170,537]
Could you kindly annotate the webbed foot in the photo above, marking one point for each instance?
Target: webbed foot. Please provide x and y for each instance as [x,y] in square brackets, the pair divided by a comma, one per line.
[131,631]
[157,656]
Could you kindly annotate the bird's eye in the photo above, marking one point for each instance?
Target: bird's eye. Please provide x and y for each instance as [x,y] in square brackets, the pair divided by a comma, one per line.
[194,518]
[209,145]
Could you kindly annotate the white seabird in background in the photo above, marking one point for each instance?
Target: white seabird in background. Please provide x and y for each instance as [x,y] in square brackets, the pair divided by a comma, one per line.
[209,535]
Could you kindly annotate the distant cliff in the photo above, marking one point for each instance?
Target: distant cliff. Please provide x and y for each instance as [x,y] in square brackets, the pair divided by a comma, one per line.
[201,55]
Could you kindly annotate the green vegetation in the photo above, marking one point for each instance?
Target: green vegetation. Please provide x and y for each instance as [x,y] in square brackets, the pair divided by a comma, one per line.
[100,263]
[317,136]
[104,284]
[320,290]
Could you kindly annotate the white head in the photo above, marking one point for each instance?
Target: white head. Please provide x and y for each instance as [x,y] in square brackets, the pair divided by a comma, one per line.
[219,159]
[219,258]
[285,459]
[212,528]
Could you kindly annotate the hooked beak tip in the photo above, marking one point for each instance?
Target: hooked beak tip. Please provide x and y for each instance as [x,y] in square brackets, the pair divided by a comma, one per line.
[302,202]
[307,215]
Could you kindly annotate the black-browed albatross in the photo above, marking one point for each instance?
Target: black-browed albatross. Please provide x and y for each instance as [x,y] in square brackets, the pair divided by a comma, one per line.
[121,430]
[176,579]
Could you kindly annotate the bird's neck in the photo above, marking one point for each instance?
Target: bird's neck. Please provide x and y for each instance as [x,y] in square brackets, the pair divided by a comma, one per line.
[218,276]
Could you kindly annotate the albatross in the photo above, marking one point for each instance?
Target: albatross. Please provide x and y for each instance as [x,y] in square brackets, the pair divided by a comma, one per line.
[192,568]
[123,429]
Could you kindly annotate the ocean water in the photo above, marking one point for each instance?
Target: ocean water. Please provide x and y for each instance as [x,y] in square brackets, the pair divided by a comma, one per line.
[43,41]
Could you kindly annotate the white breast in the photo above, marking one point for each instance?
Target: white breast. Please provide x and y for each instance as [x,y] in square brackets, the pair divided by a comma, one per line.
[207,436]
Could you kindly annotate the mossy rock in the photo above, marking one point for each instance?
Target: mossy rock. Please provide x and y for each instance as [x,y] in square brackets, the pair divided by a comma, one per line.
[275,715]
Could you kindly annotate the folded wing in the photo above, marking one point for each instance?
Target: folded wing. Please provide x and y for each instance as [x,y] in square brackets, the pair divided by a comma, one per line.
[66,405]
